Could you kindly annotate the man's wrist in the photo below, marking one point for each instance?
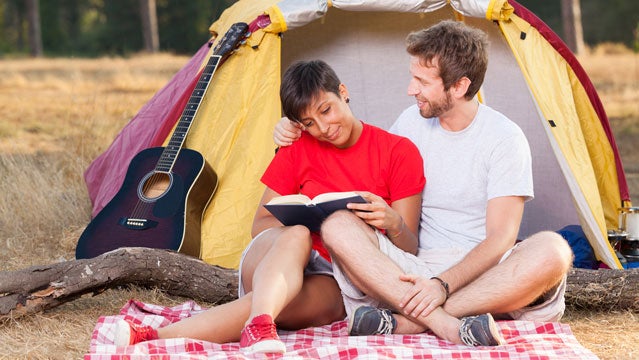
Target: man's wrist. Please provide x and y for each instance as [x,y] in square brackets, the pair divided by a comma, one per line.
[444,285]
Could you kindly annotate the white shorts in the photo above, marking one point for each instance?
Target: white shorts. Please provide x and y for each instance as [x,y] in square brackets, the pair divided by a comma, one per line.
[433,262]
[316,265]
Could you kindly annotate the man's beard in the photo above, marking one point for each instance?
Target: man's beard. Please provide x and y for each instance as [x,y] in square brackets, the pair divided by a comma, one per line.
[436,109]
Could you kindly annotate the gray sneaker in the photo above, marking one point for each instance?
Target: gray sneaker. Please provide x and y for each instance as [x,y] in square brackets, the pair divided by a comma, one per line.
[480,330]
[367,320]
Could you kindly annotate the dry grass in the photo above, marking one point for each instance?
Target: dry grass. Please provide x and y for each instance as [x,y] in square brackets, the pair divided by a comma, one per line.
[615,72]
[610,335]
[58,114]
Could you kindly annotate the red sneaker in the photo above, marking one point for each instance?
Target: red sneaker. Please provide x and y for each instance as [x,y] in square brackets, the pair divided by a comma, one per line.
[260,336]
[128,333]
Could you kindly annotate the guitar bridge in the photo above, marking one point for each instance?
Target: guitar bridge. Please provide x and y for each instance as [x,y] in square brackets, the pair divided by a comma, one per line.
[137,224]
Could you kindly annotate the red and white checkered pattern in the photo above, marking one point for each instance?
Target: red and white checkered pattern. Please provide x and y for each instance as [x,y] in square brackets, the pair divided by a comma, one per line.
[525,340]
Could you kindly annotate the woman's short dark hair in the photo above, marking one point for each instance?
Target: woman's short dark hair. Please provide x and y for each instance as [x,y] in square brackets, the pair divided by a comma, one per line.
[302,83]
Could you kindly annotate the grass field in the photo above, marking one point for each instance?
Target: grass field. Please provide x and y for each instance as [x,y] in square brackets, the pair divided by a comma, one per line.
[59,114]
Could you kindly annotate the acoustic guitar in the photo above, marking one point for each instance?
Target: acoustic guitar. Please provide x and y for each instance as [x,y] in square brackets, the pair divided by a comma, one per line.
[166,189]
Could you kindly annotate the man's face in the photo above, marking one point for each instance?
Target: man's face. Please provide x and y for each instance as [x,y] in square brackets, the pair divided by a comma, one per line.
[428,89]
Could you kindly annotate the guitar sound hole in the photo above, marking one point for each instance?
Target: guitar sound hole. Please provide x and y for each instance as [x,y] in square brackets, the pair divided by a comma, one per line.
[156,185]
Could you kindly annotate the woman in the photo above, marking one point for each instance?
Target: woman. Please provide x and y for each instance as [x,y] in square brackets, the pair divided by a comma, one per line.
[285,272]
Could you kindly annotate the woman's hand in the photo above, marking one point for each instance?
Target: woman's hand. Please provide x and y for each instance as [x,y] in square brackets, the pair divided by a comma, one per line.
[286,132]
[378,213]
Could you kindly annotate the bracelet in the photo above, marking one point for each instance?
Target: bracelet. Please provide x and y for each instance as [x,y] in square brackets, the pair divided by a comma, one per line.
[401,230]
[444,284]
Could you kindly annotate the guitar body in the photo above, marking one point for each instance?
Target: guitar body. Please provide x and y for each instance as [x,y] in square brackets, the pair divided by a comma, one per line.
[153,208]
[166,189]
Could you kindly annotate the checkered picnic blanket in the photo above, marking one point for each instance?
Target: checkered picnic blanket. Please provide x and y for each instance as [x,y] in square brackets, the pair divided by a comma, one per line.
[525,340]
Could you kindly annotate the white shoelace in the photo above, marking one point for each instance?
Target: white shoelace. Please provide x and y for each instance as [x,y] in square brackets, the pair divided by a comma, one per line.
[386,325]
[466,335]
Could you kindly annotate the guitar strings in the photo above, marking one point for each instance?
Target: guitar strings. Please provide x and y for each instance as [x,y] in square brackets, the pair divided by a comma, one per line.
[183,126]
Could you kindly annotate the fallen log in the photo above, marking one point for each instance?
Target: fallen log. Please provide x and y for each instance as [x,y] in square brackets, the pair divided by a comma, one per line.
[603,289]
[43,287]
[39,288]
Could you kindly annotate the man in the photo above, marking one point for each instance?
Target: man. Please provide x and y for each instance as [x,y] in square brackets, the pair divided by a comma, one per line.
[478,168]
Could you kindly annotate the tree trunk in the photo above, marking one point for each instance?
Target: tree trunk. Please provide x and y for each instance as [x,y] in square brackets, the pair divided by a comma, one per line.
[148,12]
[35,33]
[43,287]
[571,20]
[39,288]
[603,289]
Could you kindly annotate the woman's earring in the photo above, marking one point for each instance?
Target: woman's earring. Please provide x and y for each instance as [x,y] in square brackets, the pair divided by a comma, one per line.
[347,100]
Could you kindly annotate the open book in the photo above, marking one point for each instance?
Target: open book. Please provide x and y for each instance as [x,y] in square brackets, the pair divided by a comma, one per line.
[298,209]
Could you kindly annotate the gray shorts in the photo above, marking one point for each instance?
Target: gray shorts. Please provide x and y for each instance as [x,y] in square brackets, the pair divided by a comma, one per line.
[316,265]
[433,262]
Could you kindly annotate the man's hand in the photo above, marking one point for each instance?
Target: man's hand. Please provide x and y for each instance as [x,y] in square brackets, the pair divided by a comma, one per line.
[286,132]
[425,296]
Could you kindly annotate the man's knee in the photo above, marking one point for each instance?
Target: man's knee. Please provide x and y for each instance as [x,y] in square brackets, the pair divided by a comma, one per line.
[339,218]
[333,227]
[344,232]
[551,247]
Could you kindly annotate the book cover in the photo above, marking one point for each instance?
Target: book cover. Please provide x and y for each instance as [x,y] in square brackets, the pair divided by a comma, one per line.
[298,209]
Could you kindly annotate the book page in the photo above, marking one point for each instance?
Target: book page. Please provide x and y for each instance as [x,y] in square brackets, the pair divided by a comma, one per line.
[290,199]
[333,196]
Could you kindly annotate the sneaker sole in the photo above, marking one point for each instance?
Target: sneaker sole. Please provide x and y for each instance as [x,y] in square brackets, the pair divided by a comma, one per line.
[266,346]
[351,322]
[122,333]
[495,330]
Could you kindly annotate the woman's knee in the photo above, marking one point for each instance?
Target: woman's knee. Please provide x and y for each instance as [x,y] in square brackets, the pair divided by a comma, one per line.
[297,235]
[297,232]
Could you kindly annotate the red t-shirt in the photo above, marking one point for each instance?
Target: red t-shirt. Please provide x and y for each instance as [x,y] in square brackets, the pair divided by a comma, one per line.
[384,164]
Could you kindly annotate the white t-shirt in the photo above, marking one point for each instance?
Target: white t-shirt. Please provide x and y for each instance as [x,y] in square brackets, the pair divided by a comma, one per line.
[464,169]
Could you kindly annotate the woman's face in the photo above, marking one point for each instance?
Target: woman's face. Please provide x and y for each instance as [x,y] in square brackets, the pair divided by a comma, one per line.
[328,118]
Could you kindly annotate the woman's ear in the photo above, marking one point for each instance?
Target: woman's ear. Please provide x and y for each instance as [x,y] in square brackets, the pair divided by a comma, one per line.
[343,91]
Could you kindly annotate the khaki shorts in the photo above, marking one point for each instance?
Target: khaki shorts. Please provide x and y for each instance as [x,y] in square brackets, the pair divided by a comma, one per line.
[316,265]
[433,262]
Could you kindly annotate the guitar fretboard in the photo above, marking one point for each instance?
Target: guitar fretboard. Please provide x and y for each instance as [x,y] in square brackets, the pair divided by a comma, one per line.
[171,151]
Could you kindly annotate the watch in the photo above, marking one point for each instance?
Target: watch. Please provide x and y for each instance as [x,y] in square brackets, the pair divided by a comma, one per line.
[444,284]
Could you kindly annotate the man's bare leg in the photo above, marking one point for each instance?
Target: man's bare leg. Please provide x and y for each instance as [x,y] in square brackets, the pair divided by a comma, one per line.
[509,286]
[535,266]
[354,246]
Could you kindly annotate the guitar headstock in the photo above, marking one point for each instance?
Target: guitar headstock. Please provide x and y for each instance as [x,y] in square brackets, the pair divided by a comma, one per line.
[235,35]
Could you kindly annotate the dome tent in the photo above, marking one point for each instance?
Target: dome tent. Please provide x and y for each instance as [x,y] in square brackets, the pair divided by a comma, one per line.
[532,78]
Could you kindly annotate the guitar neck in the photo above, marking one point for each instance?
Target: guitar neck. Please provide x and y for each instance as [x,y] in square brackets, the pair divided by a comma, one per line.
[167,159]
[225,46]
